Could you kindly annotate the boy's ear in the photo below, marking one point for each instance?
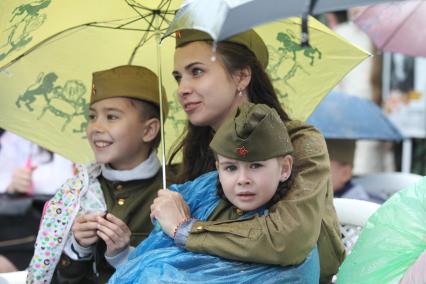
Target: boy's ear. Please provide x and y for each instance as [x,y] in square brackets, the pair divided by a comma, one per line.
[286,167]
[151,130]
[217,165]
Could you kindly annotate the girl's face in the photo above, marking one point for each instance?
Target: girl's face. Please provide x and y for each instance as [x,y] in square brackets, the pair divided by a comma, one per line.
[115,133]
[206,91]
[250,185]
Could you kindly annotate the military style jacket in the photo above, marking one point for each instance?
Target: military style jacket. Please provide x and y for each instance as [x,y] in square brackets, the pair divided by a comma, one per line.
[305,217]
[130,201]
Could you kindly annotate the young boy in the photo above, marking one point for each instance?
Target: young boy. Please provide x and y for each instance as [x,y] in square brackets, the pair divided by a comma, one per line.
[254,167]
[92,223]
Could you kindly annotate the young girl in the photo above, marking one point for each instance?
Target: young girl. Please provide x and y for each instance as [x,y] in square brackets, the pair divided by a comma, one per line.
[209,91]
[254,170]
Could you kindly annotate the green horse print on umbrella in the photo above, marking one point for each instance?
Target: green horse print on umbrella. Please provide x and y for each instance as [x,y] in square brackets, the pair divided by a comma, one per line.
[25,19]
[289,52]
[67,101]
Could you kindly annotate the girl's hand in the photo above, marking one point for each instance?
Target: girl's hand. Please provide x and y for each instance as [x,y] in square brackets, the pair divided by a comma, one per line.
[169,209]
[115,233]
[21,180]
[84,229]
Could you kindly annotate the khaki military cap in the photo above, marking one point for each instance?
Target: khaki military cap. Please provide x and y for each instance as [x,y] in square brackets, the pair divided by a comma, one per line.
[249,39]
[341,150]
[128,81]
[255,132]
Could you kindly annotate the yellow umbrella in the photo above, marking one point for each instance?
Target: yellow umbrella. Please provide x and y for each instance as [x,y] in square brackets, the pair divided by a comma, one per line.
[44,92]
[50,52]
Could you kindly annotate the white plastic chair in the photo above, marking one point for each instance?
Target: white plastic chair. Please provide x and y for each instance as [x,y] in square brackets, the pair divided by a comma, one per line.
[353,215]
[383,185]
[18,277]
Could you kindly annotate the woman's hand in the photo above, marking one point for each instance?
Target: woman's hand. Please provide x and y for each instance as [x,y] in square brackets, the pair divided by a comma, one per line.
[169,209]
[85,227]
[21,180]
[115,233]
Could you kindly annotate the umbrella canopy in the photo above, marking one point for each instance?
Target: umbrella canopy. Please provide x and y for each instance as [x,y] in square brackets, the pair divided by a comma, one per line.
[396,27]
[51,49]
[391,241]
[234,16]
[342,116]
[44,92]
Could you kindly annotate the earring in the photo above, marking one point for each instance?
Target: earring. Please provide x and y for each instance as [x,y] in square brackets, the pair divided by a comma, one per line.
[240,93]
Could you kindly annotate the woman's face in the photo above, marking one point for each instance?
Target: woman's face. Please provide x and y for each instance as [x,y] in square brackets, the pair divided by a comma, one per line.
[206,91]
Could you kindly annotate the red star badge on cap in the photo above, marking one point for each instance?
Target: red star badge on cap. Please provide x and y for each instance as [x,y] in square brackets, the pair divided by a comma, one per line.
[242,151]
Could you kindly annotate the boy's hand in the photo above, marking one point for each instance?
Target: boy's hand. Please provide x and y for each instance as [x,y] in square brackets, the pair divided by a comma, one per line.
[115,233]
[169,209]
[84,229]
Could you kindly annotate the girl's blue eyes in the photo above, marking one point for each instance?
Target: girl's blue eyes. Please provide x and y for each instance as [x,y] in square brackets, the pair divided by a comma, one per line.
[234,168]
[230,168]
[255,166]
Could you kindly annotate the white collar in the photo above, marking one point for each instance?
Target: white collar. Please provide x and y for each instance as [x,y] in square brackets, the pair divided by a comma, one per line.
[145,170]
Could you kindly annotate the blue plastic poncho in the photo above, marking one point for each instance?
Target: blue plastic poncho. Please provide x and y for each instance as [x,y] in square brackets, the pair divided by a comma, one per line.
[158,260]
[392,240]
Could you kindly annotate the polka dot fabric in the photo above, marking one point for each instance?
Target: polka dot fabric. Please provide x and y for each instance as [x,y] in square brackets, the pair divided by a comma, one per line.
[59,215]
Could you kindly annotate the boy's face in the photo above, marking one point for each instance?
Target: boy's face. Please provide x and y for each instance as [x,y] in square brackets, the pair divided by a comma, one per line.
[250,185]
[116,133]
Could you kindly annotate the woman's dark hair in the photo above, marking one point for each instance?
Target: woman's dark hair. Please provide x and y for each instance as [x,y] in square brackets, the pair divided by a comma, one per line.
[194,142]
[283,188]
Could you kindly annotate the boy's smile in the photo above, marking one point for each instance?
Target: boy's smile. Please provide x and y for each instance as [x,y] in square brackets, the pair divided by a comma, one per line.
[115,133]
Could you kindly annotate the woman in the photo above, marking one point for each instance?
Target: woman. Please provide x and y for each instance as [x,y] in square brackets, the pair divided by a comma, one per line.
[211,86]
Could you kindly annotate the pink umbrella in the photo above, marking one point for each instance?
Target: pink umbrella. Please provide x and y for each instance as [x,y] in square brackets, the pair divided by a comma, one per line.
[396,27]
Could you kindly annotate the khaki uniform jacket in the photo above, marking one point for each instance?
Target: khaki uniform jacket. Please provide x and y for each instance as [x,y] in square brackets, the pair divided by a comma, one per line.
[130,201]
[304,218]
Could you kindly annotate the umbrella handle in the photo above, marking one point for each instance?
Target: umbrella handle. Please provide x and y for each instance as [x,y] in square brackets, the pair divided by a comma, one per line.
[160,79]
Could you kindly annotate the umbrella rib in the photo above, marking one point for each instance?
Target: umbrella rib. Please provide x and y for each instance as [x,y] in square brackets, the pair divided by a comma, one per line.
[95,25]
[403,22]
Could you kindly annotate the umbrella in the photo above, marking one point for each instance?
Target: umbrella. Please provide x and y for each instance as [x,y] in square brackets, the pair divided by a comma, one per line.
[234,16]
[396,27]
[391,241]
[61,67]
[342,116]
[49,50]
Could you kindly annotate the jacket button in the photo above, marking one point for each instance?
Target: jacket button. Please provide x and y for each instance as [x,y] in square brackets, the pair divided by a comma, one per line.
[239,211]
[119,187]
[199,228]
[121,201]
[65,262]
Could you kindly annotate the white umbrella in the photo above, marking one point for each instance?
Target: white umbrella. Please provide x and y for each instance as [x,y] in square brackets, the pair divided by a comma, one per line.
[235,16]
